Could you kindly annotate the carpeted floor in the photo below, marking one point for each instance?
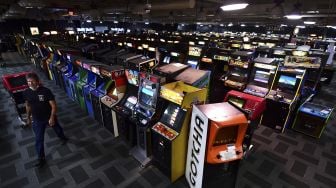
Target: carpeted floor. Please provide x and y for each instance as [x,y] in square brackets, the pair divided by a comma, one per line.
[93,158]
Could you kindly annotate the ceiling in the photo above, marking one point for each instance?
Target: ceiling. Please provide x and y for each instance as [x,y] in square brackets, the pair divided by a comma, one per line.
[170,11]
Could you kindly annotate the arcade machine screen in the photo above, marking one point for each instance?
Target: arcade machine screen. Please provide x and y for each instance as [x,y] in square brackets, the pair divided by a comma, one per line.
[261,76]
[279,52]
[226,135]
[146,96]
[132,77]
[166,59]
[130,102]
[195,51]
[286,82]
[237,101]
[173,116]
[192,63]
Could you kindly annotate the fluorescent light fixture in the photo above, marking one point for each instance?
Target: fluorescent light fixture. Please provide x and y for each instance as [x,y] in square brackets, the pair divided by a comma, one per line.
[232,7]
[88,21]
[283,25]
[301,26]
[53,32]
[146,23]
[256,25]
[221,25]
[309,22]
[242,25]
[313,12]
[293,17]
[100,21]
[115,22]
[230,24]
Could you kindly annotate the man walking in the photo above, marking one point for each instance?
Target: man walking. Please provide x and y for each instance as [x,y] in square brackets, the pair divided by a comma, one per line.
[41,111]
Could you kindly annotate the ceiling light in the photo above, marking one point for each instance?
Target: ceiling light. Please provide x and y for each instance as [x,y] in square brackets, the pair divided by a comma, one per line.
[301,26]
[313,12]
[309,22]
[230,24]
[221,25]
[231,7]
[115,22]
[283,25]
[88,21]
[242,25]
[146,23]
[293,17]
[256,25]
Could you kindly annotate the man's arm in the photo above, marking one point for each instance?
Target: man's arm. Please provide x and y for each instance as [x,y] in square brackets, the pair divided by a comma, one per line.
[29,113]
[53,112]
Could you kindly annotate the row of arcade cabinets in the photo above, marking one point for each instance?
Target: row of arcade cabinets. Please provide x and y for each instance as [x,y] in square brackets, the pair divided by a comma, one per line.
[170,133]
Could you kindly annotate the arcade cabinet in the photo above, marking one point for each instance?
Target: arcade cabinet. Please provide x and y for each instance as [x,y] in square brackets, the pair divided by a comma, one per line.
[123,111]
[311,119]
[113,95]
[215,145]
[81,74]
[194,56]
[16,84]
[170,134]
[313,68]
[147,112]
[240,65]
[254,106]
[283,97]
[69,72]
[85,78]
[216,61]
[262,76]
[122,59]
[94,81]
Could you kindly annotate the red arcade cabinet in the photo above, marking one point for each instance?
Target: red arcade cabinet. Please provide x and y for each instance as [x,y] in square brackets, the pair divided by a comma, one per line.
[15,84]
[254,106]
[215,145]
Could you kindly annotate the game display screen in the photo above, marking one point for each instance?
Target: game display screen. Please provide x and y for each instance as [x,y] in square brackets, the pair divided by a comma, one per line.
[261,76]
[237,101]
[287,82]
[34,31]
[226,135]
[146,96]
[195,51]
[130,102]
[192,63]
[132,77]
[173,116]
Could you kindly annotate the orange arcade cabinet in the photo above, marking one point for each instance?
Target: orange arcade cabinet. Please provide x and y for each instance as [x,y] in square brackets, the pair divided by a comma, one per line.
[215,145]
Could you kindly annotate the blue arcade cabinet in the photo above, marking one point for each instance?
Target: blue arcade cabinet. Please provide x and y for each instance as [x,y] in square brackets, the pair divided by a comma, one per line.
[94,80]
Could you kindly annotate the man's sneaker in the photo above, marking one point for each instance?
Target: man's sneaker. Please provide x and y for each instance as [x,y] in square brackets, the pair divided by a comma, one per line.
[40,163]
